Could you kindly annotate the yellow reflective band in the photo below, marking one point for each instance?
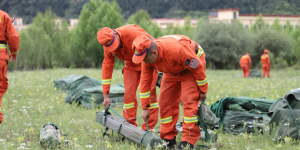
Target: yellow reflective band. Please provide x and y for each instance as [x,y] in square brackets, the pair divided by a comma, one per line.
[201,82]
[153,105]
[0,109]
[262,57]
[190,119]
[200,51]
[166,120]
[145,95]
[127,106]
[106,81]
[15,53]
[2,46]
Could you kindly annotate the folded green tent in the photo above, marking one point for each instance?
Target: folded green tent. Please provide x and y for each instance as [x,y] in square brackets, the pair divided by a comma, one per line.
[94,96]
[286,116]
[234,111]
[65,82]
[77,86]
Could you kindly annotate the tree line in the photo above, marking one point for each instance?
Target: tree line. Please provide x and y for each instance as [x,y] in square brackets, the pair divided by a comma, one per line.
[45,45]
[67,9]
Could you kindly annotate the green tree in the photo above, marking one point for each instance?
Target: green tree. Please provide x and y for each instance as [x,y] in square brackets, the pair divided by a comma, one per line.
[276,42]
[259,23]
[276,26]
[224,43]
[143,19]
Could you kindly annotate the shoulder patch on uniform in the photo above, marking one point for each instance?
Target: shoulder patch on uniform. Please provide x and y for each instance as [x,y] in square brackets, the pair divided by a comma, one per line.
[194,63]
[187,62]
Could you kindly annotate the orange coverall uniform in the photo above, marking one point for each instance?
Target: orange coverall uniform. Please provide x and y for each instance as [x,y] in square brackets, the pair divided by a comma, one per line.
[244,64]
[185,74]
[266,64]
[132,74]
[8,34]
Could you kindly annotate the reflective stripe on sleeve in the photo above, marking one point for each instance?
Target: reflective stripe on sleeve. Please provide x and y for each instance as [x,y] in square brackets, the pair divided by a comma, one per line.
[128,106]
[200,51]
[0,109]
[15,53]
[106,81]
[166,120]
[153,105]
[145,95]
[190,119]
[199,82]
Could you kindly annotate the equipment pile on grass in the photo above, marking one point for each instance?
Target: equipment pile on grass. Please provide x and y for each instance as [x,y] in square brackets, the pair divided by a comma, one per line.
[88,91]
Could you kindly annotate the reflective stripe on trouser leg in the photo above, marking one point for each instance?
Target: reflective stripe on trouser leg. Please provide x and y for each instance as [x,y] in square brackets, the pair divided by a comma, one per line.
[166,120]
[190,119]
[131,81]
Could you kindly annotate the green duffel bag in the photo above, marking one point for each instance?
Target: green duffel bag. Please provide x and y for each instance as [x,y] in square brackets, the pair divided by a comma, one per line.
[94,96]
[50,136]
[255,74]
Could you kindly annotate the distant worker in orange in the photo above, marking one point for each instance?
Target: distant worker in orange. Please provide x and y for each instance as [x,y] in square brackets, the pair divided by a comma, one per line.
[118,43]
[184,73]
[244,61]
[10,36]
[265,62]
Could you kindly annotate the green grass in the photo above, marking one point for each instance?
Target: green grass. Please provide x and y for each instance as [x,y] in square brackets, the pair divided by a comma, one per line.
[31,101]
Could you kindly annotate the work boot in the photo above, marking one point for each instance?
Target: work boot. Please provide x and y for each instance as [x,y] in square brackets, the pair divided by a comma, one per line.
[171,143]
[185,145]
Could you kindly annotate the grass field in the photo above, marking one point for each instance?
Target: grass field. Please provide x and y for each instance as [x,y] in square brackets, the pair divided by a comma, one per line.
[31,101]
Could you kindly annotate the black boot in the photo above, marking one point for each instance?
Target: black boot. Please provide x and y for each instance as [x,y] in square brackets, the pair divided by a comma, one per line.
[184,145]
[171,143]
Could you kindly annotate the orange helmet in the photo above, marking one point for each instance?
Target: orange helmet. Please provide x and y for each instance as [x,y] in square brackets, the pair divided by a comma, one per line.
[266,51]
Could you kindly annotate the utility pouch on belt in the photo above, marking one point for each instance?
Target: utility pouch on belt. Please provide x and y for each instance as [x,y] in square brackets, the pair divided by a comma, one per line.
[131,132]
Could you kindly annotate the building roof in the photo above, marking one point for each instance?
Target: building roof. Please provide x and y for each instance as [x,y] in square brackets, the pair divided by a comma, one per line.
[249,15]
[228,9]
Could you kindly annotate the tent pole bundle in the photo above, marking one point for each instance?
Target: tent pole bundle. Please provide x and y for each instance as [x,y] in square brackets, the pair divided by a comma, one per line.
[131,132]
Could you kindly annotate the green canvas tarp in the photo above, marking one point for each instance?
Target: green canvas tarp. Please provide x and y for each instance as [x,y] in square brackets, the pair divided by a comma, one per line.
[233,110]
[65,82]
[94,96]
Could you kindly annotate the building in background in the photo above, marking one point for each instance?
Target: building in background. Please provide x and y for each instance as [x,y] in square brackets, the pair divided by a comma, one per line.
[164,22]
[231,14]
[18,23]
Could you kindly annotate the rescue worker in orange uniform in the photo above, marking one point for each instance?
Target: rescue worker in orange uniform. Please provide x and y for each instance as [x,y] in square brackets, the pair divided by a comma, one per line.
[265,62]
[244,61]
[118,43]
[184,73]
[10,36]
